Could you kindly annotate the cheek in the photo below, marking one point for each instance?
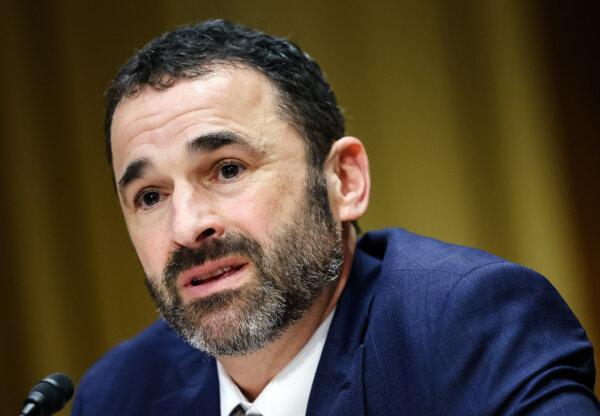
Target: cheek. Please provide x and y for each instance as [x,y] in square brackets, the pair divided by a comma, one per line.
[263,211]
[151,246]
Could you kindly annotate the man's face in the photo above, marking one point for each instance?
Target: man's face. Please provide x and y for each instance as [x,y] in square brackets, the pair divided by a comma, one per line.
[233,230]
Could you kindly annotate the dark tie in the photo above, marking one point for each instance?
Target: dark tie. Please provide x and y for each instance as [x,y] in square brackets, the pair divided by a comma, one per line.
[238,411]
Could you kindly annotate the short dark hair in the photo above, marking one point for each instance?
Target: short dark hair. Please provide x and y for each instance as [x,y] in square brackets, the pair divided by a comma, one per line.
[306,100]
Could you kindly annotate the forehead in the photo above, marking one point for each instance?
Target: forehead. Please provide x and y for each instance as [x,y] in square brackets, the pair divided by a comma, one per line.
[240,100]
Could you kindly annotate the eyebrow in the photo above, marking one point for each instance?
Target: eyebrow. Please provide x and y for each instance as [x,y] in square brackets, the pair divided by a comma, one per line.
[211,142]
[135,170]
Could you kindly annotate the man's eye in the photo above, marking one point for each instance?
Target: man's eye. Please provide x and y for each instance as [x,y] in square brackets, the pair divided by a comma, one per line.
[230,170]
[148,199]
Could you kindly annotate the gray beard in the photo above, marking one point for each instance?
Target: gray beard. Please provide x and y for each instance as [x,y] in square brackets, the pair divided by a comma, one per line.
[304,260]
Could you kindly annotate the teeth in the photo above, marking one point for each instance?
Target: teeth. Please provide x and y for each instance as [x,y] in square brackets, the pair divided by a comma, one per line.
[218,271]
[196,281]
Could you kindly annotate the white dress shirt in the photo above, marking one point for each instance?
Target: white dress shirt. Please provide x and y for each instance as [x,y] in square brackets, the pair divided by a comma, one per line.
[287,393]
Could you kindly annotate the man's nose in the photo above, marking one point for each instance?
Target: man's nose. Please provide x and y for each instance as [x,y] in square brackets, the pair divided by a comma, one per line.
[194,219]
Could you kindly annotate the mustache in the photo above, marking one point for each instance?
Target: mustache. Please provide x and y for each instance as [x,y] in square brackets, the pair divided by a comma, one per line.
[185,258]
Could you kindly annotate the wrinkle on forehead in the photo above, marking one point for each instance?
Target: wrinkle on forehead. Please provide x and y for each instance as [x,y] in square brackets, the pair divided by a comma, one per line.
[146,110]
[225,96]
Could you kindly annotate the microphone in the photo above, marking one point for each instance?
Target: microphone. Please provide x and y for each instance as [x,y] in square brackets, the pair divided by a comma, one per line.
[48,396]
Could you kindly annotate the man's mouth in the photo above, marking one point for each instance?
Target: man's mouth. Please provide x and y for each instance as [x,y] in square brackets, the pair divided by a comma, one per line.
[212,277]
[217,274]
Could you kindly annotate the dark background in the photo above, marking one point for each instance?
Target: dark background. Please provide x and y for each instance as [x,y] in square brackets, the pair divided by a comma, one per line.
[481,120]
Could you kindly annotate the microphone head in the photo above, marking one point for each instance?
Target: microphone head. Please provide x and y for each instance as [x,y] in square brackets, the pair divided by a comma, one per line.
[49,395]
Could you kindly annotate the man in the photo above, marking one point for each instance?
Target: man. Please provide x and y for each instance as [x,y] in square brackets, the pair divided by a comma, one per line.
[240,193]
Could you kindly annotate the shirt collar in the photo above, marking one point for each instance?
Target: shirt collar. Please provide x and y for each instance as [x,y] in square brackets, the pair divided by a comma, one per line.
[288,392]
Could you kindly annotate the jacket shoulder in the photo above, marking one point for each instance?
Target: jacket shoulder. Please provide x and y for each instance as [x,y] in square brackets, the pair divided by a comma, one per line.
[147,366]
[477,333]
[400,249]
[152,348]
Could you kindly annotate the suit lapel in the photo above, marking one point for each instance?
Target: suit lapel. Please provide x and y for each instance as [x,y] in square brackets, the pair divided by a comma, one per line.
[338,387]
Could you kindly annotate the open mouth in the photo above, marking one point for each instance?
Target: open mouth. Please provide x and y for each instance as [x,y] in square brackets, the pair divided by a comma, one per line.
[215,275]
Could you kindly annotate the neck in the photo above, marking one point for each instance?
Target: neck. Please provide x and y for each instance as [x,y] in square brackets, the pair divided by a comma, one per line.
[254,371]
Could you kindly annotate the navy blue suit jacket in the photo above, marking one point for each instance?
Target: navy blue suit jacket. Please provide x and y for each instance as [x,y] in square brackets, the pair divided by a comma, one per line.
[422,328]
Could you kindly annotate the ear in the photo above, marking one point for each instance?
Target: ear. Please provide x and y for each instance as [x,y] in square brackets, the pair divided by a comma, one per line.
[348,180]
